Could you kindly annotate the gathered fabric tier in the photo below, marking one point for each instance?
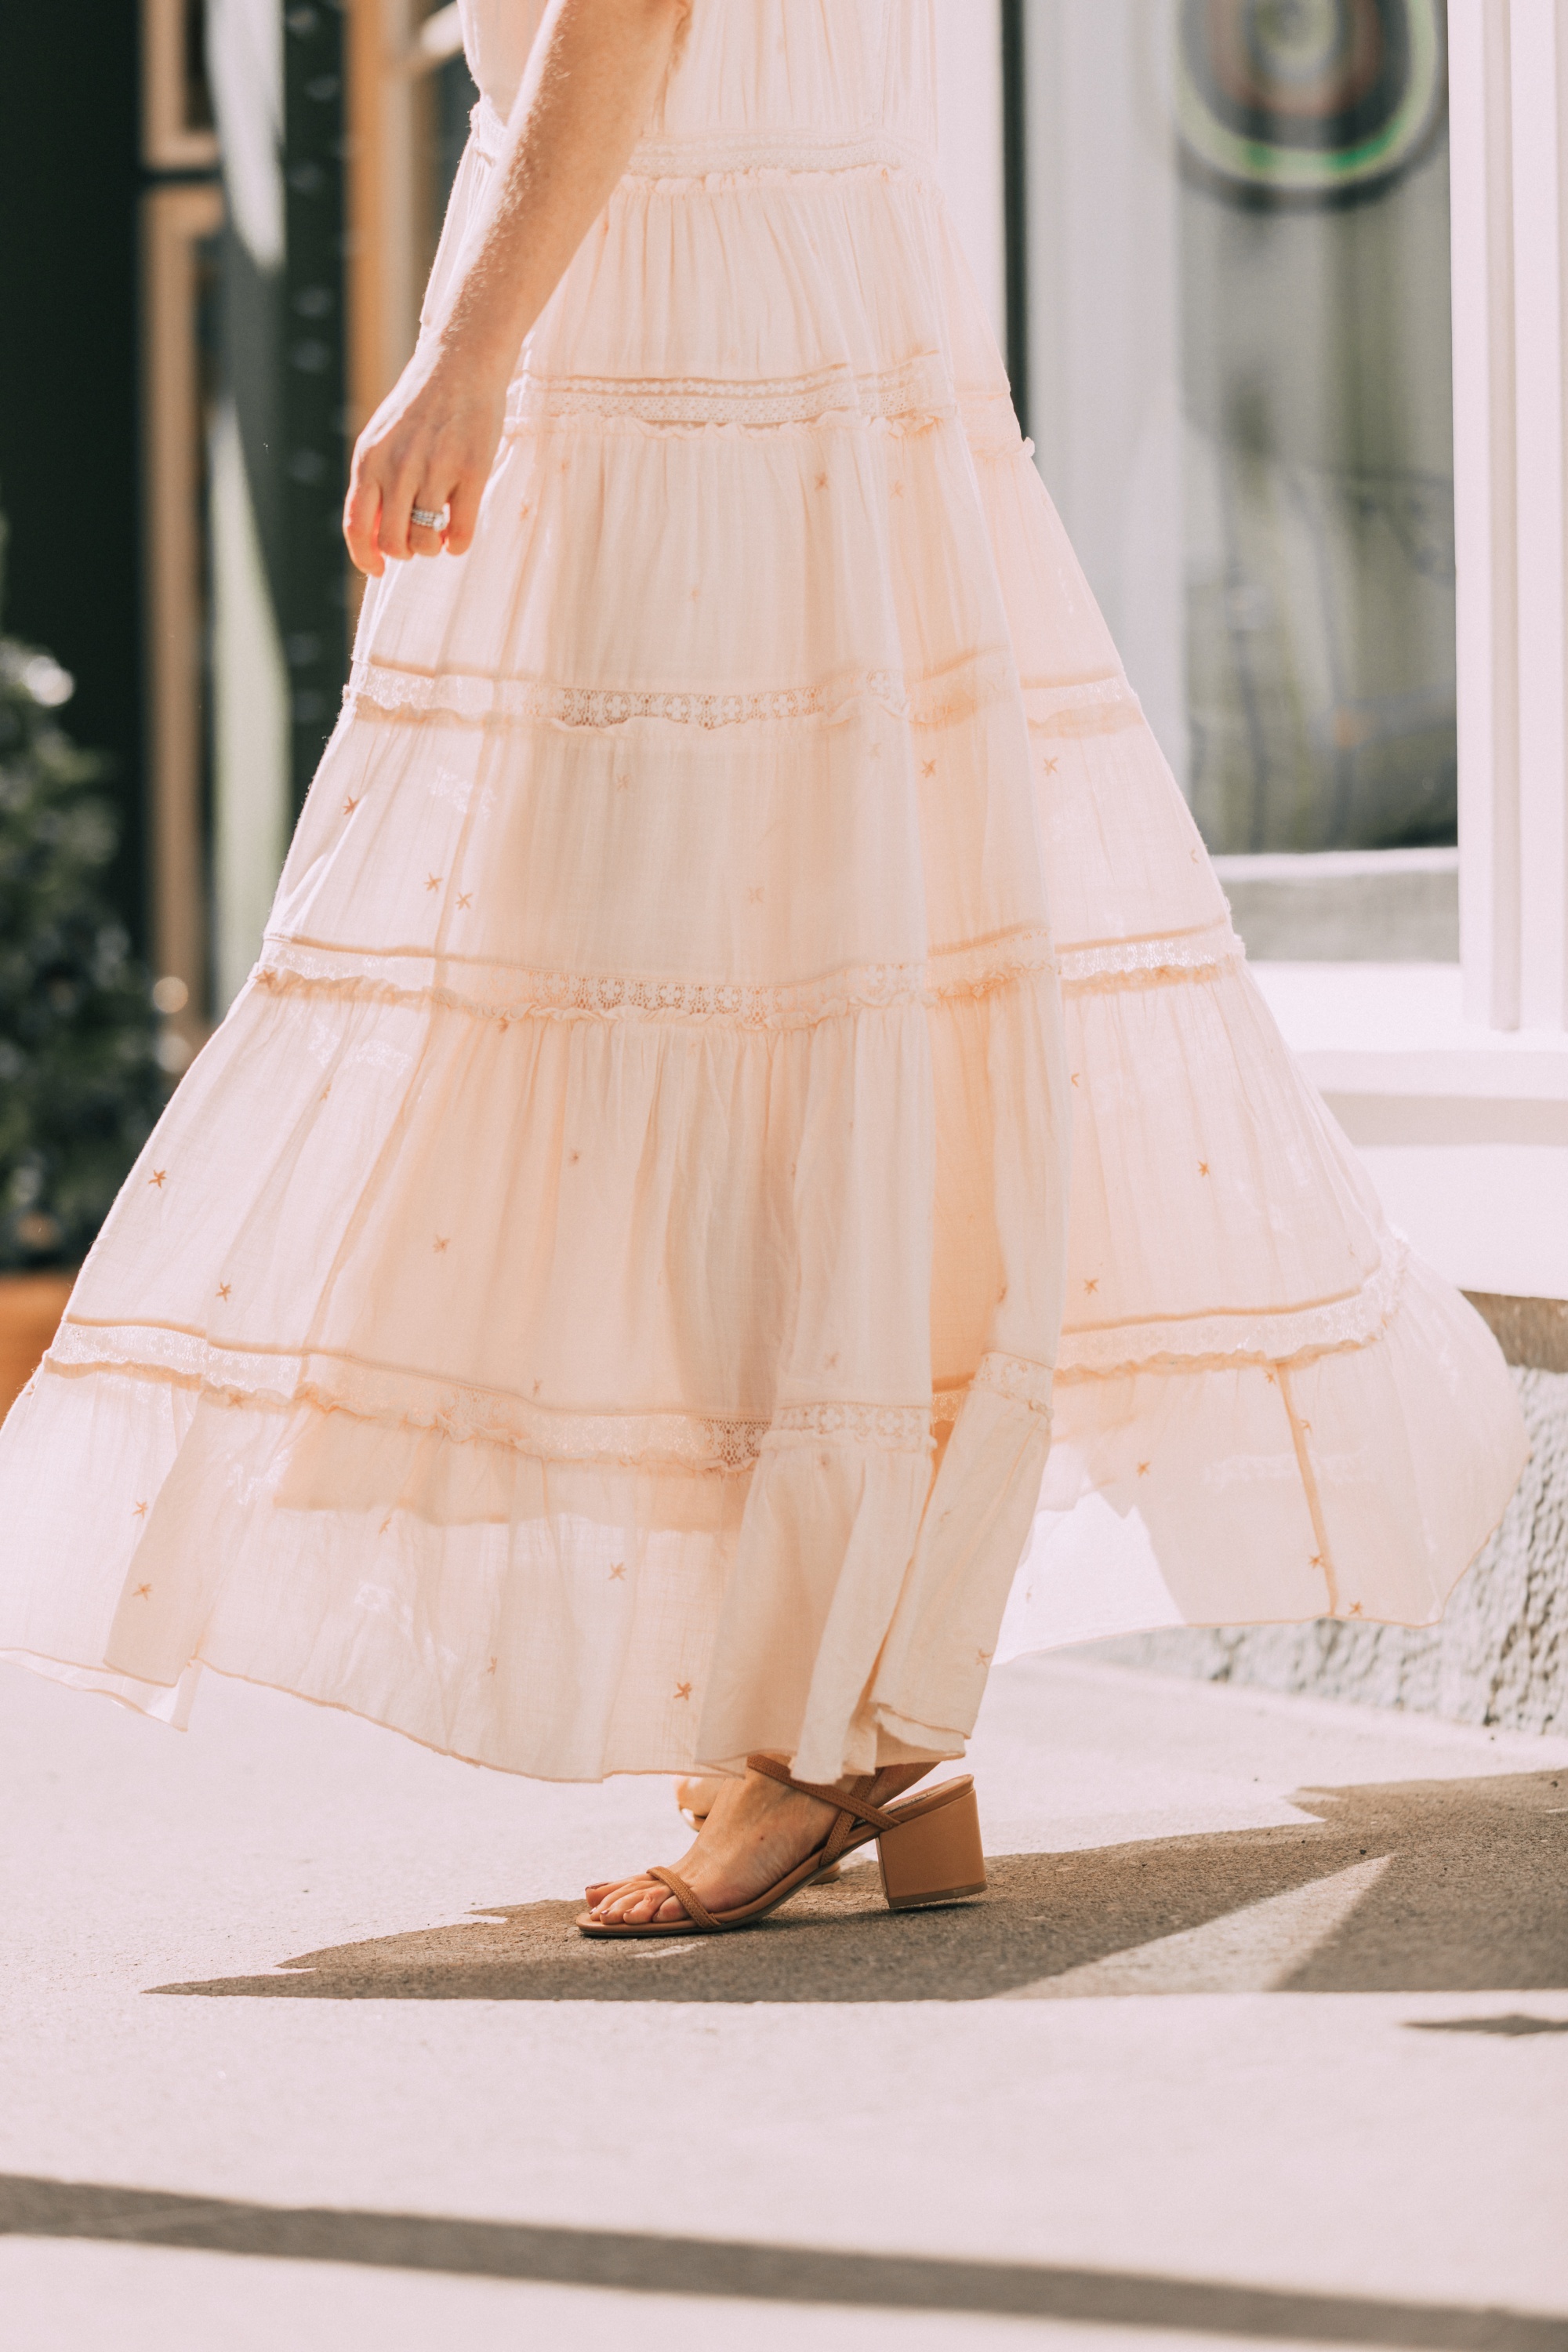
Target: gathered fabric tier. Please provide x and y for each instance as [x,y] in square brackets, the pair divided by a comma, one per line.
[598,1302]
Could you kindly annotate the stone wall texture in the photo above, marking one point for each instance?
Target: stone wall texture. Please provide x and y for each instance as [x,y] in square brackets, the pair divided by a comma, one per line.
[1500,1654]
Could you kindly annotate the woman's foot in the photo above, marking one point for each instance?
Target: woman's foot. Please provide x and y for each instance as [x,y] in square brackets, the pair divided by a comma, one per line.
[695,1796]
[756,1831]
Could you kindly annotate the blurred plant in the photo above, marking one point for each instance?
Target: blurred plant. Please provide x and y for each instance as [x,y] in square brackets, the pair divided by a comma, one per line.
[80,1083]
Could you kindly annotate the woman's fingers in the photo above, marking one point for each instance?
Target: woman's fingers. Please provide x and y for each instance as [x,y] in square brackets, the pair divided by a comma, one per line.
[361,517]
[397,511]
[464,503]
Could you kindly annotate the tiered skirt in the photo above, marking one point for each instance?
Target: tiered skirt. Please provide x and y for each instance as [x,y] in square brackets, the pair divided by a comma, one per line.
[747,1041]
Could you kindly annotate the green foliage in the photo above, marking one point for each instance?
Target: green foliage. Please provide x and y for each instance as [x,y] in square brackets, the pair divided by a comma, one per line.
[80,1083]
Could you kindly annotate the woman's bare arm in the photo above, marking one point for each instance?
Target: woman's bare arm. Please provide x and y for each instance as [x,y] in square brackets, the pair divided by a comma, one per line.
[596,70]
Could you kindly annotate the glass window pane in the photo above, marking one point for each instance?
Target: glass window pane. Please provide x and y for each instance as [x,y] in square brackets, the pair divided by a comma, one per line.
[1237,227]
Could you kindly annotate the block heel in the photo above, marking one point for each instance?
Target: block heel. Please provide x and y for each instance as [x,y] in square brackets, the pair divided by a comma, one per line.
[936,1856]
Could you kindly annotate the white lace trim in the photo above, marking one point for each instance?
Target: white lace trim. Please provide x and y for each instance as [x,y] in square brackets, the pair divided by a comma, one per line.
[888,1429]
[1090,705]
[1012,1377]
[918,390]
[713,1444]
[506,993]
[475,698]
[1179,955]
[1286,1337]
[718,1444]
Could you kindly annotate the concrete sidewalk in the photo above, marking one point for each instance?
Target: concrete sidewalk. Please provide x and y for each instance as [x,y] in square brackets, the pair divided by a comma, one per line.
[1261,2035]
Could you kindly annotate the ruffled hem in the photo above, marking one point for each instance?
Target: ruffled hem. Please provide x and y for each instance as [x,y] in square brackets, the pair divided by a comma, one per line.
[426,1581]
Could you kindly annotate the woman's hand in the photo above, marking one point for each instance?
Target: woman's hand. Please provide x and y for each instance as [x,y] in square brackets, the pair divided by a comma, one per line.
[593,75]
[431,444]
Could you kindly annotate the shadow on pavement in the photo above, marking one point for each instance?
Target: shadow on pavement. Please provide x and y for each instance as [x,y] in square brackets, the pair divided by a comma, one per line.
[642,2263]
[1428,1887]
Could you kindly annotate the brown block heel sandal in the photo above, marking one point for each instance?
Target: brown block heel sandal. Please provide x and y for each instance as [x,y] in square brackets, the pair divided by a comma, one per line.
[928,1846]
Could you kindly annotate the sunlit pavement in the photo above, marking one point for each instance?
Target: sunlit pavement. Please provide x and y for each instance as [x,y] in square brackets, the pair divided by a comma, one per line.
[1260,2036]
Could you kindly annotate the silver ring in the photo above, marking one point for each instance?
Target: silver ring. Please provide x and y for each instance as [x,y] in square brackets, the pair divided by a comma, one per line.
[426,520]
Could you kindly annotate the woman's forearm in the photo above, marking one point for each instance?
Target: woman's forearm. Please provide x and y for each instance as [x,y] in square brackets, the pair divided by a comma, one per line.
[595,73]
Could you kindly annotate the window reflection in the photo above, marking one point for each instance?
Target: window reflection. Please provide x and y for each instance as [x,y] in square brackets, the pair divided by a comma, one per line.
[1237,213]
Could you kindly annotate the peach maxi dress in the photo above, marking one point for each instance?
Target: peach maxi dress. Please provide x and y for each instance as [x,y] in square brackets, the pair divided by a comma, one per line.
[599,1302]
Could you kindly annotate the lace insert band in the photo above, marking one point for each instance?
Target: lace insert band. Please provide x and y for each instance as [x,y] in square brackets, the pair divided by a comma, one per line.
[507,992]
[918,391]
[1093,706]
[1285,1337]
[715,1444]
[479,698]
[1199,954]
[702,1444]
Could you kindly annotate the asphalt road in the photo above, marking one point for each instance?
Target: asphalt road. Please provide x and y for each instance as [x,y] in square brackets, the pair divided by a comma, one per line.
[1259,2035]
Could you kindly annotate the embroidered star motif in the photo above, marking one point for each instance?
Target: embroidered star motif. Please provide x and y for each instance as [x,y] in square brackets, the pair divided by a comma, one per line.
[618,1572]
[928,767]
[156,1179]
[822,481]
[143,1593]
[573,1158]
[1144,1469]
[433,882]
[351,803]
[492,1667]
[325,1092]
[140,1512]
[1075,1077]
[983,1657]
[1270,1379]
[224,1289]
[465,898]
[755,894]
[1316,1560]
[503,1024]
[898,489]
[1355,1607]
[537,1386]
[1092,1286]
[1052,766]
[683,1690]
[1305,1429]
[1202,1168]
[623,783]
[384,1525]
[440,1244]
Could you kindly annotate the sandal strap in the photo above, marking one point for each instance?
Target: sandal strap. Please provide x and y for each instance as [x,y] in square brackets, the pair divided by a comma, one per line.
[691,1904]
[853,1803]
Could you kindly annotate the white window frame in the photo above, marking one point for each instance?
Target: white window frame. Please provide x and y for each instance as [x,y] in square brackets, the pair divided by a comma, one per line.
[1451,1080]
